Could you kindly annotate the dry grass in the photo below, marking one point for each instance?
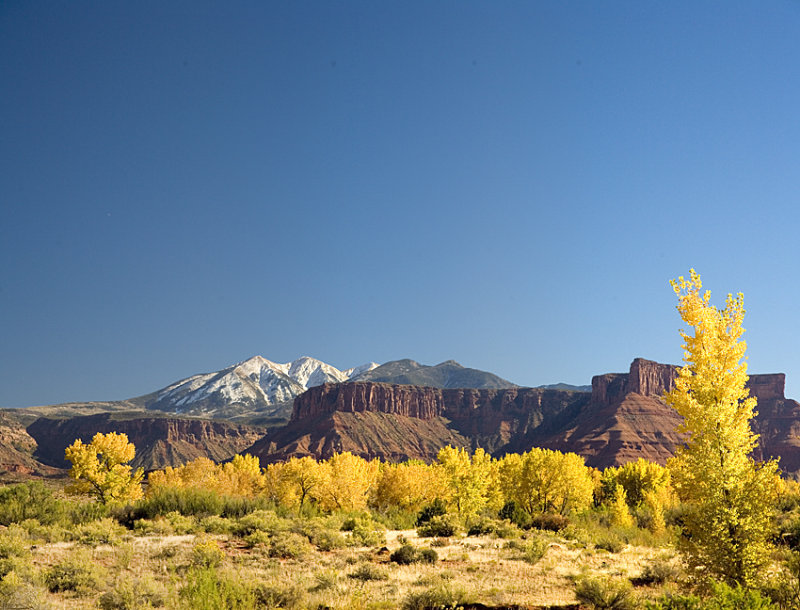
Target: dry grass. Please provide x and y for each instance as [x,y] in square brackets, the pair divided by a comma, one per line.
[483,567]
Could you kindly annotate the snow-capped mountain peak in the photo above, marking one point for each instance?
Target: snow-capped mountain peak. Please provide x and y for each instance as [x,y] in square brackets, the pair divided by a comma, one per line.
[255,382]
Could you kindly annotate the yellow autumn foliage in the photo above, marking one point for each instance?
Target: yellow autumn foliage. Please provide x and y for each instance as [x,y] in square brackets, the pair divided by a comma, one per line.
[543,480]
[242,476]
[100,469]
[730,498]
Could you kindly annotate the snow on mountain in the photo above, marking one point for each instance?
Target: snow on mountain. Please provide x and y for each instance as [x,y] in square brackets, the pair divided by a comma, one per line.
[358,370]
[310,372]
[256,383]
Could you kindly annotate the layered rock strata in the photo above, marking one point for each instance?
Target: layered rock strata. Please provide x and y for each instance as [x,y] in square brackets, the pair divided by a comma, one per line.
[159,441]
[623,418]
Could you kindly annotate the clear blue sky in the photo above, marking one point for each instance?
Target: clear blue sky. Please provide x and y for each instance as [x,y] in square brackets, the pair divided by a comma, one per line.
[508,184]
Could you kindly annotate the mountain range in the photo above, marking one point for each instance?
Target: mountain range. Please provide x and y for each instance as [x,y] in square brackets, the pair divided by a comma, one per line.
[395,411]
[255,389]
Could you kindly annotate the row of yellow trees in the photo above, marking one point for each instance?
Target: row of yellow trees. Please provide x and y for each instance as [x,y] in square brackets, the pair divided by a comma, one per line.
[539,481]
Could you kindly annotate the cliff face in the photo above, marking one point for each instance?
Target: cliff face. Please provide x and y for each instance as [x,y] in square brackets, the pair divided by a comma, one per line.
[16,451]
[415,422]
[404,400]
[622,419]
[159,442]
[645,377]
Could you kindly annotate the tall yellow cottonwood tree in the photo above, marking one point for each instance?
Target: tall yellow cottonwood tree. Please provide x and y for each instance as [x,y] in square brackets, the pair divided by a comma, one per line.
[729,496]
[100,469]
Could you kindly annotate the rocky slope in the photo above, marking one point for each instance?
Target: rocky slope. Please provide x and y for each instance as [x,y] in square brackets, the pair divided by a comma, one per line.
[622,419]
[16,450]
[159,441]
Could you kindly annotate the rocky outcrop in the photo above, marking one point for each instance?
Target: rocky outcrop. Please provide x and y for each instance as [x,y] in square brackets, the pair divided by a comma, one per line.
[159,441]
[491,418]
[488,418]
[16,451]
[405,400]
[368,434]
[645,377]
[623,418]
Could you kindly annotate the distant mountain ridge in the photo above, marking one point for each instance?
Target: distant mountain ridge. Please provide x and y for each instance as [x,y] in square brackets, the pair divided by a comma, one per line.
[446,375]
[565,386]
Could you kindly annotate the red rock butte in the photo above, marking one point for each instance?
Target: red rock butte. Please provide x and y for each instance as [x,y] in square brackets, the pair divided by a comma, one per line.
[623,418]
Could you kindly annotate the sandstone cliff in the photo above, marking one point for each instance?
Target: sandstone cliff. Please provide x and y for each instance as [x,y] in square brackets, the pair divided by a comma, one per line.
[415,422]
[16,450]
[623,418]
[159,441]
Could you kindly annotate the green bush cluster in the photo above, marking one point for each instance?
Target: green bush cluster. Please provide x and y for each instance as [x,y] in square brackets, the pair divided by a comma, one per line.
[443,596]
[76,573]
[605,594]
[439,526]
[530,549]
[408,554]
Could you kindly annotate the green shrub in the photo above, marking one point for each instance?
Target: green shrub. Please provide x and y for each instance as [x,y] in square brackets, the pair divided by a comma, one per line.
[784,588]
[367,572]
[325,581]
[260,521]
[396,519]
[235,507]
[132,594]
[405,555]
[186,501]
[368,533]
[350,521]
[206,553]
[14,543]
[671,601]
[609,542]
[328,540]
[76,573]
[441,526]
[320,534]
[257,539]
[288,545]
[216,525]
[285,597]
[436,508]
[602,593]
[104,531]
[442,596]
[428,556]
[725,597]
[182,524]
[512,512]
[207,589]
[482,527]
[153,527]
[530,550]
[658,572]
[31,501]
[47,533]
[17,592]
[502,529]
[86,511]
